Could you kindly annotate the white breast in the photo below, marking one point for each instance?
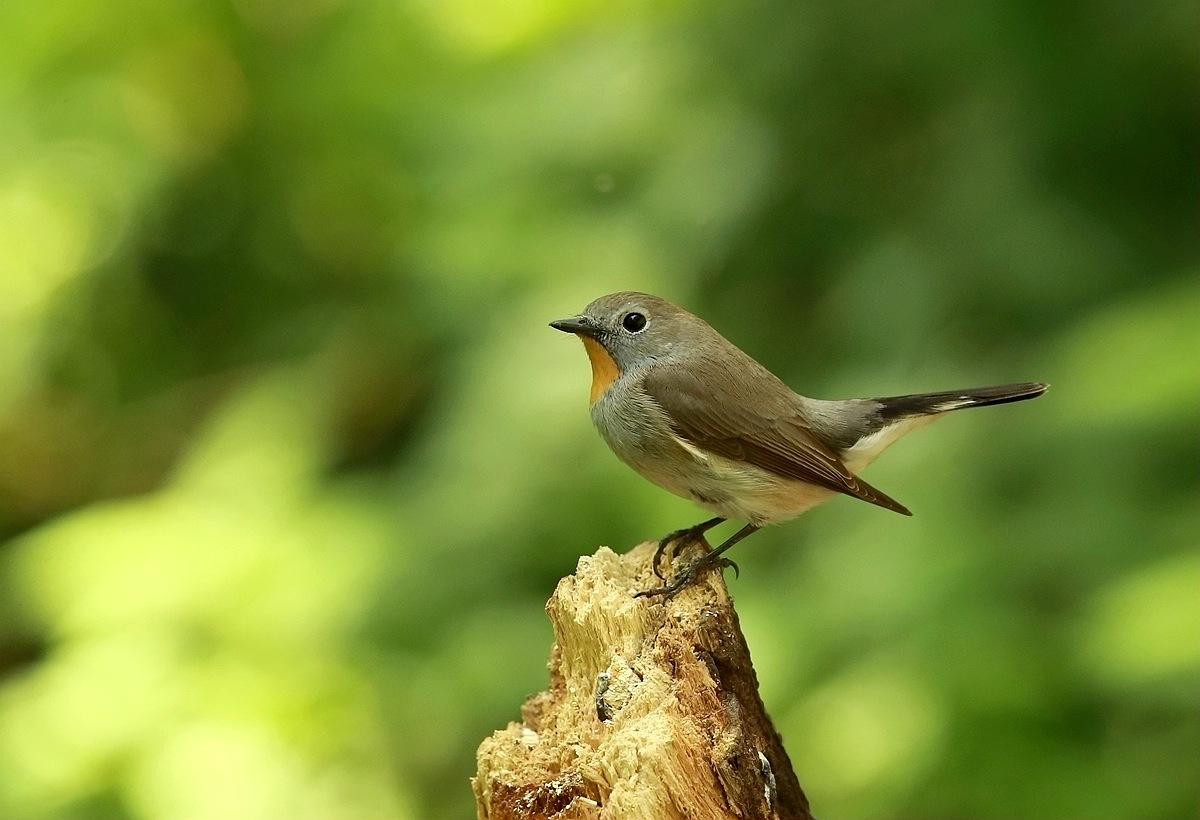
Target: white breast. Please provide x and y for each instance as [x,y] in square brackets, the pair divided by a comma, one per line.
[737,490]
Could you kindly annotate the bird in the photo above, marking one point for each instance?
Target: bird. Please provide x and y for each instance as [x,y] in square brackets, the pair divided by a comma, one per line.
[697,416]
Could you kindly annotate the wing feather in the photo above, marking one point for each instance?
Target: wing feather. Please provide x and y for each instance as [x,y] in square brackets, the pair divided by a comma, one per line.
[769,433]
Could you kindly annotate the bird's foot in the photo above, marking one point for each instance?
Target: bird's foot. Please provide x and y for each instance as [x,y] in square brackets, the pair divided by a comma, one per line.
[687,576]
[682,537]
[725,562]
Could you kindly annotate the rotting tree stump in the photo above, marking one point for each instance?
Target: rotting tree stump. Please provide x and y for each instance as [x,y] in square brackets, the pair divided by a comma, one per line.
[652,712]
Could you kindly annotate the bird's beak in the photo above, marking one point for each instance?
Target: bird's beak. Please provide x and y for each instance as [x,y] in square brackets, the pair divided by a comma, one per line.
[580,325]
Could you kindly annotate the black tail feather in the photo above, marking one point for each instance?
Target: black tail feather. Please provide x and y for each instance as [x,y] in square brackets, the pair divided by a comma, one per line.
[923,404]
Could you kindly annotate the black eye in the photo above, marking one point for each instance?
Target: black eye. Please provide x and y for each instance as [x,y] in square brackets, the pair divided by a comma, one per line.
[633,322]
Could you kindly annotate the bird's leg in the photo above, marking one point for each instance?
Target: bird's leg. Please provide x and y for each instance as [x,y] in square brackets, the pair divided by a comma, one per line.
[693,533]
[688,574]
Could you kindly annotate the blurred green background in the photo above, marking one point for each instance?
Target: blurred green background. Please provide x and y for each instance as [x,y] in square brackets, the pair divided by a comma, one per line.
[289,460]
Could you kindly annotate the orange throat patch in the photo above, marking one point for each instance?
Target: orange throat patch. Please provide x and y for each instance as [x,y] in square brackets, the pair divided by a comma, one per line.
[604,368]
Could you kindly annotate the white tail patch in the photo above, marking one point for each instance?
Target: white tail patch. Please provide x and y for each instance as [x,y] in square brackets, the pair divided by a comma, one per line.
[953,404]
[868,448]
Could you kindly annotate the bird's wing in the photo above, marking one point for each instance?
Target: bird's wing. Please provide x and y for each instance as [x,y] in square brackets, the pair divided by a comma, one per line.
[769,433]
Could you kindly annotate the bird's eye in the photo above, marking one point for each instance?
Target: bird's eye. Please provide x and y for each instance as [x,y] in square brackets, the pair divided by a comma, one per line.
[633,322]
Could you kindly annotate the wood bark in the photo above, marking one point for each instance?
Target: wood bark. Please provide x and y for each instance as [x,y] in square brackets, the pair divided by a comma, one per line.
[652,712]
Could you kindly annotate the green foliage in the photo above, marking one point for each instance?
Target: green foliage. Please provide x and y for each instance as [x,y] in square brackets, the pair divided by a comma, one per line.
[289,459]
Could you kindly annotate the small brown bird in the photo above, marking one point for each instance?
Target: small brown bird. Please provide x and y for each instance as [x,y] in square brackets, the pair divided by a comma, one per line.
[691,412]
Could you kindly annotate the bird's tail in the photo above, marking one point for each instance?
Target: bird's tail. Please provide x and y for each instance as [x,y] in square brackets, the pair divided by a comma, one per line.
[892,408]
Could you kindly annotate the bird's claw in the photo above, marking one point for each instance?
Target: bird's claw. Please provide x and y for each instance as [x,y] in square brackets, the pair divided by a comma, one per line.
[686,576]
[683,536]
[669,590]
[659,552]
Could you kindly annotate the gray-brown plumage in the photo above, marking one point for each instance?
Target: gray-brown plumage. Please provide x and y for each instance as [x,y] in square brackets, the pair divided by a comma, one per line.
[771,432]
[696,415]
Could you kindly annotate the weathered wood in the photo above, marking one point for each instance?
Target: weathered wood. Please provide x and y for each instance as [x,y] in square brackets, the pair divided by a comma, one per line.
[653,711]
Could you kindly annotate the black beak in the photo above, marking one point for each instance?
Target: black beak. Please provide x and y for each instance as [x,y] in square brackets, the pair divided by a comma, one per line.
[581,325]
